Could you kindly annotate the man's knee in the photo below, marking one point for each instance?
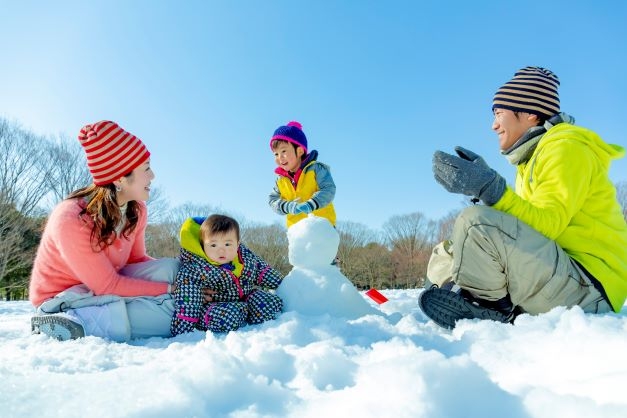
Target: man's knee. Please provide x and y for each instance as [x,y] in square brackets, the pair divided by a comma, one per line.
[477,214]
[485,218]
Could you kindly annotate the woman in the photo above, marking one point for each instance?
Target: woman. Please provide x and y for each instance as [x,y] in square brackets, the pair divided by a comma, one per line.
[91,275]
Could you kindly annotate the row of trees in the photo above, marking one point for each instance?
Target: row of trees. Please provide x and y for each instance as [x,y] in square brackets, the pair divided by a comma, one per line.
[37,172]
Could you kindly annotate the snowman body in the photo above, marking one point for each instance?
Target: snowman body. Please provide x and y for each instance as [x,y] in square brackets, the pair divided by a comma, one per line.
[314,286]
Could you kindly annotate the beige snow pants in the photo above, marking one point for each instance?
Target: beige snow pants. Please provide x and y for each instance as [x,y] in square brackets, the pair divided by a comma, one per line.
[492,254]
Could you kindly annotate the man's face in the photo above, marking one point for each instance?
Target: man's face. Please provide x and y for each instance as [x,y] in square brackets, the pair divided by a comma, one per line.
[510,127]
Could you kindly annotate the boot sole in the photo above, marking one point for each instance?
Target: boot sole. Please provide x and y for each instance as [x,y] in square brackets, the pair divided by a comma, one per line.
[56,327]
[445,308]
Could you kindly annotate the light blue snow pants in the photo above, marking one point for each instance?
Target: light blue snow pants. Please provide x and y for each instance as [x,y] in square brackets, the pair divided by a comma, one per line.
[121,318]
[495,254]
[151,316]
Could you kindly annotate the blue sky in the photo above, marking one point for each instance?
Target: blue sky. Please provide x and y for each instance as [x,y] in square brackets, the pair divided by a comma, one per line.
[377,85]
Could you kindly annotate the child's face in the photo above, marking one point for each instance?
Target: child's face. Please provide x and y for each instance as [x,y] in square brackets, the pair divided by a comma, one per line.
[221,248]
[287,157]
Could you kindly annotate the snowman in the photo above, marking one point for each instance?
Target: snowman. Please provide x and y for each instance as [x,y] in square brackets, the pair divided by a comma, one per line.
[314,286]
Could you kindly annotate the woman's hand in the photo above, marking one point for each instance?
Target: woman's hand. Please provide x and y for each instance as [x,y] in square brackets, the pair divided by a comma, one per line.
[208,293]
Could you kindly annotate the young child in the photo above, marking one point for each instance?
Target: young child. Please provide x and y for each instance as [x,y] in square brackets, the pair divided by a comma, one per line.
[213,258]
[304,184]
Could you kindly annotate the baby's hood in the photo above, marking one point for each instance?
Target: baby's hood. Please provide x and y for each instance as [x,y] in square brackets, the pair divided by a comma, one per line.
[190,236]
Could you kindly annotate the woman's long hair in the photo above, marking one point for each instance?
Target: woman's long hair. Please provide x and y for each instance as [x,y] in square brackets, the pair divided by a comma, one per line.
[102,208]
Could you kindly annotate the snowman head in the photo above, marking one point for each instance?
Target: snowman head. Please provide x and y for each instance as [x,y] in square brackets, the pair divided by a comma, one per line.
[313,242]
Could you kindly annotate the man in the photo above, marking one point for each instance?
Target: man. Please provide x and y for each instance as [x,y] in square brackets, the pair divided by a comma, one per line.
[559,239]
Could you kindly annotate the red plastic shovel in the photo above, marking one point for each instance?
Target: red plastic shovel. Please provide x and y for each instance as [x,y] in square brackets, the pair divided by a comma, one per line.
[376,296]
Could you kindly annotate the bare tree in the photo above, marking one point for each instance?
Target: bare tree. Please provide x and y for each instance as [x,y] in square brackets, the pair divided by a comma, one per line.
[445,226]
[23,169]
[11,258]
[19,237]
[353,239]
[68,169]
[161,242]
[158,206]
[410,238]
[376,269]
[268,242]
[354,235]
[24,166]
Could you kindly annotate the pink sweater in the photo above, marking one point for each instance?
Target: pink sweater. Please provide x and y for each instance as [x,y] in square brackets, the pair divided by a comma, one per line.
[65,258]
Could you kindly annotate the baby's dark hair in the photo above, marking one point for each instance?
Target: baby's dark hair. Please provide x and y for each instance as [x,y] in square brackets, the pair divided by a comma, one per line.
[218,224]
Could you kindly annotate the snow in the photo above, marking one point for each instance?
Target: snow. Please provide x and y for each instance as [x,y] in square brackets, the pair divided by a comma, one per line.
[334,352]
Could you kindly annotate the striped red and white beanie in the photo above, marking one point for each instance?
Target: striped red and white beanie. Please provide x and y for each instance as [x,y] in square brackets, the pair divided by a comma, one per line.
[111,151]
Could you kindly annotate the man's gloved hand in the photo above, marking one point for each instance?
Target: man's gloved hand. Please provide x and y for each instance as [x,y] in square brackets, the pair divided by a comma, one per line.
[468,173]
[304,207]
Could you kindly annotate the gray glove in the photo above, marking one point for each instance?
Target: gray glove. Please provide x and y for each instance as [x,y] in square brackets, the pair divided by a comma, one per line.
[468,174]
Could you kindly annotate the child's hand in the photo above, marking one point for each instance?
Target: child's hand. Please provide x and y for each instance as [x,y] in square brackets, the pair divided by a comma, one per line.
[291,205]
[303,208]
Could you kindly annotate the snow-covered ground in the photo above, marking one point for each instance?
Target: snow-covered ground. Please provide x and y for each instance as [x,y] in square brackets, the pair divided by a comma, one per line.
[333,353]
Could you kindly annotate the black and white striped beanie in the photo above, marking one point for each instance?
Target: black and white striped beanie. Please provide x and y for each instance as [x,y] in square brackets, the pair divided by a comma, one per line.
[532,90]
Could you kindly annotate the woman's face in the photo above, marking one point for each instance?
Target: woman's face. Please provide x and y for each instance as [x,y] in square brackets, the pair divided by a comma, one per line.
[136,186]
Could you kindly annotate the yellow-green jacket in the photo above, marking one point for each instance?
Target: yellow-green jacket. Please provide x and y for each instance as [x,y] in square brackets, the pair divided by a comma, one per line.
[564,192]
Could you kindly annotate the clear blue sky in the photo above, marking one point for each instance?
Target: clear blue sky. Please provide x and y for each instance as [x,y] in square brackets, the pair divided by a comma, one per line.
[377,85]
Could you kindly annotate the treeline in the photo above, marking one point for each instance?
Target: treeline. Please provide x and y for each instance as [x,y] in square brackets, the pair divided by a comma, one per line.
[395,257]
[37,172]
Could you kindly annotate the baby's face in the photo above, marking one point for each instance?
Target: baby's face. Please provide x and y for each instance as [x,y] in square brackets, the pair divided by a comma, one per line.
[221,248]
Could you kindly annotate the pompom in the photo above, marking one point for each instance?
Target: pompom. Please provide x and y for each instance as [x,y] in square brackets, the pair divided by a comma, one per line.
[294,123]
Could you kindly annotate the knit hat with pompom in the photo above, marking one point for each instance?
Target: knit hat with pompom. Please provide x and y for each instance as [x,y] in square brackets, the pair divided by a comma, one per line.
[292,132]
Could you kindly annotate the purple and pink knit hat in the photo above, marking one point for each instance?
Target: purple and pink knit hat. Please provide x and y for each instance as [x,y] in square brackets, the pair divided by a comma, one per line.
[292,132]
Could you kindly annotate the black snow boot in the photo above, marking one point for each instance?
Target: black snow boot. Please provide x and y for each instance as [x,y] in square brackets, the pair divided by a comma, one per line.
[446,307]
